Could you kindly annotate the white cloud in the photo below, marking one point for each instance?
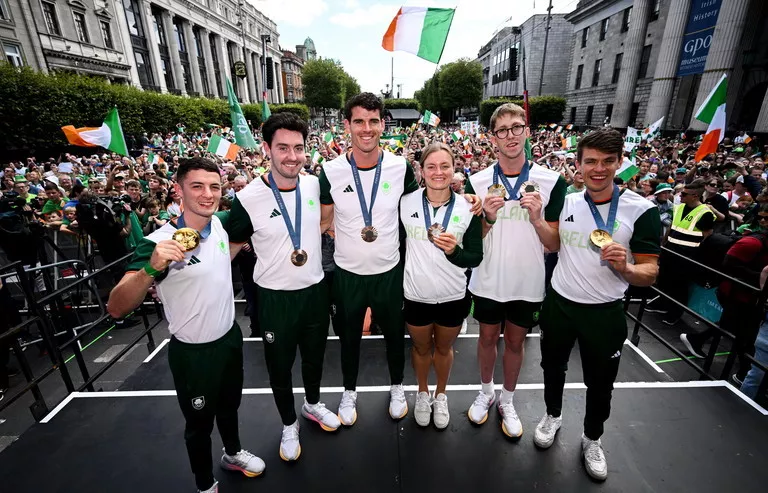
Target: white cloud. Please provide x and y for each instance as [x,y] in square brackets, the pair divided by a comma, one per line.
[351,4]
[300,13]
[376,14]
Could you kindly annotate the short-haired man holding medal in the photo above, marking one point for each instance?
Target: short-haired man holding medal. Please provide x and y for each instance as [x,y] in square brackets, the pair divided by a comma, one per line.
[609,239]
[522,203]
[280,213]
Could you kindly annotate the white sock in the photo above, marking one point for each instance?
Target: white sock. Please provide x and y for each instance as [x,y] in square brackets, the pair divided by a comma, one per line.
[488,388]
[506,395]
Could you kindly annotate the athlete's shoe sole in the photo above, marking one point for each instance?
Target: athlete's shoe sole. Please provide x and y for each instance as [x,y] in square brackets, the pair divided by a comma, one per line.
[322,425]
[354,420]
[232,467]
[506,432]
[405,413]
[290,460]
[469,415]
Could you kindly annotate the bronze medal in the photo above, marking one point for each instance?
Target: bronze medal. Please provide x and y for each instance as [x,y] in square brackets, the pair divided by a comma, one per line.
[369,234]
[299,257]
[188,238]
[600,238]
[434,231]
[529,187]
[497,190]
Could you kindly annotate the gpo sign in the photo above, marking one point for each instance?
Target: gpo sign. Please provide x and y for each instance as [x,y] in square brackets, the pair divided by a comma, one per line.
[697,37]
[695,45]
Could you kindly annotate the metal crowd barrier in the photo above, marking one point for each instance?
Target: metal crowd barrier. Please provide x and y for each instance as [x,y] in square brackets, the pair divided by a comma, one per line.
[705,370]
[47,312]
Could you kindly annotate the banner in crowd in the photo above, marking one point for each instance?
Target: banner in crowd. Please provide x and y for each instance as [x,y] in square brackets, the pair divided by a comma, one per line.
[471,128]
[243,134]
[698,36]
[632,139]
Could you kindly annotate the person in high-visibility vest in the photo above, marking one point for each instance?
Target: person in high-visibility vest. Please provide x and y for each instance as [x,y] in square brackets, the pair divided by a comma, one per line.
[692,221]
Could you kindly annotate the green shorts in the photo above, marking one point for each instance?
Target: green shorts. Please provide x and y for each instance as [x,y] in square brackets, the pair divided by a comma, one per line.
[521,313]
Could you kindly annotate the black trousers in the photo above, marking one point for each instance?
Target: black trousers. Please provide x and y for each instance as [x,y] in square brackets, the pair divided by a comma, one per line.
[209,383]
[291,319]
[601,330]
[674,274]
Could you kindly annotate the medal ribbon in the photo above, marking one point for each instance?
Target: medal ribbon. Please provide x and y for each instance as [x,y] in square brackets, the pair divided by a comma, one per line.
[203,234]
[367,210]
[295,234]
[611,211]
[498,175]
[428,215]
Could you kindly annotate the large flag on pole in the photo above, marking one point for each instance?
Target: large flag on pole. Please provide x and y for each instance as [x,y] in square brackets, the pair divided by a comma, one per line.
[109,135]
[713,112]
[419,30]
[243,135]
[652,131]
[223,148]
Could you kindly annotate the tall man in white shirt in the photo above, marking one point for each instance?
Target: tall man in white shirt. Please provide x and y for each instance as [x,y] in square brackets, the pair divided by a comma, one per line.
[508,286]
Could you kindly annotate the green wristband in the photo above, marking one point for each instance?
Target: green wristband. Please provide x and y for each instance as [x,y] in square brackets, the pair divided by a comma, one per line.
[150,271]
[489,221]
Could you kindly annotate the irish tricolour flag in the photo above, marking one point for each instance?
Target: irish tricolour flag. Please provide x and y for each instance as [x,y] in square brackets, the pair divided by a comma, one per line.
[109,135]
[430,118]
[419,30]
[713,112]
[222,147]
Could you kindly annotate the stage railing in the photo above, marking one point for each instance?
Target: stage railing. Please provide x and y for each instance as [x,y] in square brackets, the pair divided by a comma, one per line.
[719,332]
[47,312]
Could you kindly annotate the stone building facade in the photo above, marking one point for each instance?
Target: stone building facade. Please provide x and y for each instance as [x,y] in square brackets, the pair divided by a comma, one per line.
[292,64]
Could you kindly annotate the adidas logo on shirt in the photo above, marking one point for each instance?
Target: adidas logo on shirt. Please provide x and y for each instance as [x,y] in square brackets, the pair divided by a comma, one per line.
[275,213]
[194,260]
[348,189]
[618,353]
[569,219]
[415,214]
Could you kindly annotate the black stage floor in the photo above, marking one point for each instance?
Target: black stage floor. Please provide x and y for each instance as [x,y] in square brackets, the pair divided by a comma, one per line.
[662,437]
[155,374]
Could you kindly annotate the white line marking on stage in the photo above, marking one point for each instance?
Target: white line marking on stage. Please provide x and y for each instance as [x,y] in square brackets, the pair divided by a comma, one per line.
[746,399]
[336,338]
[58,408]
[110,353]
[157,350]
[644,356]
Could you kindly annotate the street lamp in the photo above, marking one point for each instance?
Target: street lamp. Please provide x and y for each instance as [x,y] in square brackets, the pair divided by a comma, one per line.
[265,38]
[386,92]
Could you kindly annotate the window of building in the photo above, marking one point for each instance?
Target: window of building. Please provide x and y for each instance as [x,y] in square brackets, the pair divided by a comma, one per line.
[143,67]
[633,114]
[5,12]
[626,17]
[579,74]
[51,21]
[106,34]
[13,54]
[133,16]
[289,79]
[655,10]
[159,31]
[590,110]
[603,29]
[167,74]
[80,28]
[617,68]
[596,72]
[584,37]
[608,112]
[198,43]
[178,31]
[645,57]
[572,119]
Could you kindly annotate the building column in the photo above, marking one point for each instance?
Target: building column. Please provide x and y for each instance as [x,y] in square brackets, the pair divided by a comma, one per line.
[152,45]
[630,65]
[278,92]
[666,67]
[762,119]
[262,84]
[254,96]
[173,49]
[209,68]
[194,66]
[725,48]
[221,46]
[125,41]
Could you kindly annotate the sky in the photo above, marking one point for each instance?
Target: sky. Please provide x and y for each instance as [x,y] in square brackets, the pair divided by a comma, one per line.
[351,31]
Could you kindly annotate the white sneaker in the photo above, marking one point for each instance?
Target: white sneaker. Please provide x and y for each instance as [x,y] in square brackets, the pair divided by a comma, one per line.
[348,408]
[478,411]
[544,436]
[510,423]
[594,458]
[320,415]
[290,448]
[422,411]
[212,489]
[398,406]
[463,327]
[243,461]
[440,406]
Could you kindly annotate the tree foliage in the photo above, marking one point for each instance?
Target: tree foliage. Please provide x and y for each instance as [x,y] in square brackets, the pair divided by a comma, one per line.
[455,85]
[543,109]
[326,84]
[406,104]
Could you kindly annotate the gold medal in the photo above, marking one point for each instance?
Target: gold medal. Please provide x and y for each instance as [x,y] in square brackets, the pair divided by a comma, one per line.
[369,234]
[299,257]
[434,231]
[529,187]
[497,190]
[600,238]
[188,238]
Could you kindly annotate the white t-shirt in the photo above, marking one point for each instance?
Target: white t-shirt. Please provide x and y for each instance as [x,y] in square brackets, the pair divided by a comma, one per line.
[197,293]
[513,256]
[580,275]
[429,276]
[337,187]
[255,214]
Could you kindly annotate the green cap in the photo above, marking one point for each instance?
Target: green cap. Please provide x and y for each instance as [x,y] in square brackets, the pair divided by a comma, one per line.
[19,179]
[662,187]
